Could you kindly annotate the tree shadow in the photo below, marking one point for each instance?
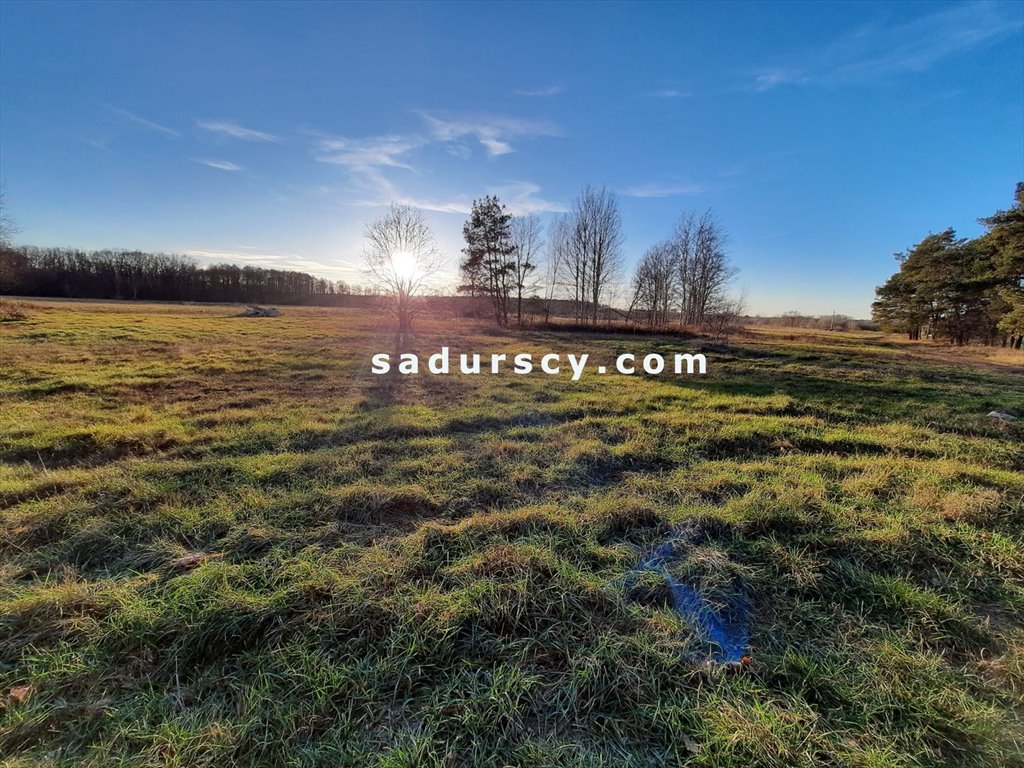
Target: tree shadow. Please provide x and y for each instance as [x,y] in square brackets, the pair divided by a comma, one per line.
[385,388]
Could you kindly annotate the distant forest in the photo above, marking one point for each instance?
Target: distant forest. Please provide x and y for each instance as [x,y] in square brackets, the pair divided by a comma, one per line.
[947,288]
[72,273]
[958,290]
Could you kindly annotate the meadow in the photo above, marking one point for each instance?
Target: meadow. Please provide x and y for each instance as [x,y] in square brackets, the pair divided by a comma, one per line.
[225,542]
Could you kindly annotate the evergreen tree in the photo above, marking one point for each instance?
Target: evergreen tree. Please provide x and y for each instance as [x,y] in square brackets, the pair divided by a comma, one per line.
[1006,239]
[488,268]
[961,290]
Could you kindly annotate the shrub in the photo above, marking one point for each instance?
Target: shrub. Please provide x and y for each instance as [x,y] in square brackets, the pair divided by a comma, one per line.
[12,311]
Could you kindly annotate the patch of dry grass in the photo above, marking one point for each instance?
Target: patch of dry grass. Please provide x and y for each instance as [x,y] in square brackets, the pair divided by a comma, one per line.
[225,542]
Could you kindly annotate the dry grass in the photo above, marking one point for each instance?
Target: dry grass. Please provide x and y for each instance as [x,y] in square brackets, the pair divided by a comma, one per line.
[13,311]
[225,543]
[1009,360]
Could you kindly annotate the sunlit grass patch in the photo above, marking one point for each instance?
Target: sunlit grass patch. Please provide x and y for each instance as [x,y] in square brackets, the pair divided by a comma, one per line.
[224,543]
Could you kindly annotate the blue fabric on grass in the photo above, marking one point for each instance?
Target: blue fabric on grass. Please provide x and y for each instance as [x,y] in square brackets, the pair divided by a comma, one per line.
[725,628]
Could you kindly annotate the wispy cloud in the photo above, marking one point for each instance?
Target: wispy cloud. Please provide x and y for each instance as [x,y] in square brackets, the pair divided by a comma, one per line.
[99,144]
[880,49]
[324,267]
[369,161]
[459,149]
[459,204]
[366,155]
[235,130]
[669,93]
[551,90]
[496,147]
[773,78]
[494,133]
[222,165]
[131,117]
[335,269]
[656,189]
[221,256]
[520,197]
[366,161]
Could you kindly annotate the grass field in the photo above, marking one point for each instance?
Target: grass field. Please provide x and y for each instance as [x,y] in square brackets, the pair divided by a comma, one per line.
[428,571]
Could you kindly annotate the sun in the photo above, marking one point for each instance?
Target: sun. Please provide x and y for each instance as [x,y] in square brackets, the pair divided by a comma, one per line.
[404,264]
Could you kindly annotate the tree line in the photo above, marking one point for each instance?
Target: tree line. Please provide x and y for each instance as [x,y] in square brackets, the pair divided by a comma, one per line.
[117,274]
[796,319]
[684,278]
[961,290]
[681,281]
[510,265]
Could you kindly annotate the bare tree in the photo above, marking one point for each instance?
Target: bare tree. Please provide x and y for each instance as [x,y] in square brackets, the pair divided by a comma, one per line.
[569,251]
[702,267]
[401,256]
[681,243]
[603,226]
[527,241]
[724,316]
[7,227]
[557,249]
[12,264]
[711,269]
[655,285]
[590,247]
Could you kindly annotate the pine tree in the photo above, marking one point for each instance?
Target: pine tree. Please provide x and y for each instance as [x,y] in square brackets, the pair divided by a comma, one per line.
[488,268]
[961,290]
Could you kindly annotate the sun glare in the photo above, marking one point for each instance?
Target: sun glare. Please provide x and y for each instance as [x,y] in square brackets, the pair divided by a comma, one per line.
[404,264]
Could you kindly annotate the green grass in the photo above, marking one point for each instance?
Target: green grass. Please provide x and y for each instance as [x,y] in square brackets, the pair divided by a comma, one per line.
[427,571]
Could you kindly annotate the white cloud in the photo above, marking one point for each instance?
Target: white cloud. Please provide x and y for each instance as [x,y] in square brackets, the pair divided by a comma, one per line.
[369,159]
[495,147]
[460,204]
[773,78]
[493,132]
[551,90]
[99,144]
[880,49]
[460,150]
[222,165]
[520,197]
[235,130]
[669,93]
[131,117]
[322,267]
[223,256]
[334,269]
[364,155]
[656,189]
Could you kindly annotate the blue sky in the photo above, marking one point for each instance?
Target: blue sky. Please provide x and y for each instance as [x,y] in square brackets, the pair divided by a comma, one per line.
[824,136]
